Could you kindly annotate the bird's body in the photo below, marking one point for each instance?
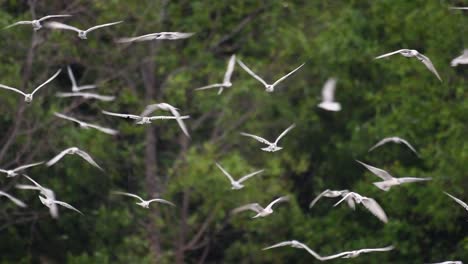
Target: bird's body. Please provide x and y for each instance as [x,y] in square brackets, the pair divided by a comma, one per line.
[49,202]
[36,23]
[82,34]
[144,203]
[167,107]
[369,203]
[388,180]
[268,87]
[75,87]
[53,208]
[14,172]
[411,53]
[272,146]
[261,212]
[237,185]
[328,96]
[332,194]
[396,140]
[462,59]
[85,125]
[227,77]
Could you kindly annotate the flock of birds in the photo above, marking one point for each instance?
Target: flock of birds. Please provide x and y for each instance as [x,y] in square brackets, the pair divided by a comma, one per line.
[48,198]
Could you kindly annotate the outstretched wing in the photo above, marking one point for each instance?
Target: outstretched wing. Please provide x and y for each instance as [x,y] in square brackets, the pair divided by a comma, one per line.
[389,54]
[106,130]
[103,25]
[225,172]
[249,71]
[67,117]
[328,90]
[379,172]
[216,85]
[366,250]
[412,179]
[460,202]
[58,25]
[58,157]
[315,200]
[279,200]
[381,142]
[408,145]
[280,244]
[287,75]
[19,23]
[12,89]
[246,177]
[20,168]
[375,209]
[253,207]
[285,132]
[88,158]
[48,81]
[121,115]
[129,194]
[64,204]
[159,200]
[230,69]
[71,76]
[429,65]
[52,16]
[260,139]
[13,199]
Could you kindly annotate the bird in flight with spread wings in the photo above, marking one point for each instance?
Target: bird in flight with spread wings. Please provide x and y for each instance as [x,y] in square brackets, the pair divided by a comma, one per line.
[272,146]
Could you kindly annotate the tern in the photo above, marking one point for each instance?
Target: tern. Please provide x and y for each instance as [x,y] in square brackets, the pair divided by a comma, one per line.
[144,203]
[29,97]
[328,96]
[157,36]
[141,120]
[272,147]
[268,87]
[85,125]
[75,87]
[397,140]
[369,203]
[356,253]
[14,172]
[73,151]
[13,199]
[36,24]
[82,34]
[388,180]
[227,78]
[53,209]
[237,185]
[261,212]
[462,59]
[49,202]
[409,53]
[167,107]
[460,202]
[295,244]
[332,194]
[105,98]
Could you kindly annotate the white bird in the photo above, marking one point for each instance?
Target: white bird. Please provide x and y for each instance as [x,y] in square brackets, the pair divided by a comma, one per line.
[261,212]
[157,36]
[75,87]
[462,59]
[356,253]
[82,34]
[369,203]
[449,262]
[144,203]
[85,125]
[13,199]
[105,98]
[14,172]
[141,120]
[36,24]
[332,194]
[268,87]
[295,244]
[328,96]
[227,77]
[388,180]
[167,107]
[272,147]
[460,202]
[397,140]
[409,53]
[49,202]
[29,97]
[73,151]
[53,209]
[236,185]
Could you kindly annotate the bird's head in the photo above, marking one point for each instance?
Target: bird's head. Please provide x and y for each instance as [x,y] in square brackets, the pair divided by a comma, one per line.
[36,25]
[269,88]
[82,35]
[28,98]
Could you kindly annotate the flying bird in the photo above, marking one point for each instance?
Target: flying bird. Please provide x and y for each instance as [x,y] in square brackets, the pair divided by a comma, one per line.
[268,87]
[369,203]
[141,120]
[29,97]
[144,203]
[104,98]
[73,151]
[460,202]
[295,244]
[272,147]
[157,36]
[462,59]
[53,209]
[328,96]
[14,172]
[82,34]
[409,53]
[227,77]
[356,253]
[332,194]
[36,24]
[388,180]
[13,199]
[85,125]
[167,107]
[49,202]
[75,87]
[237,185]
[261,212]
[397,140]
